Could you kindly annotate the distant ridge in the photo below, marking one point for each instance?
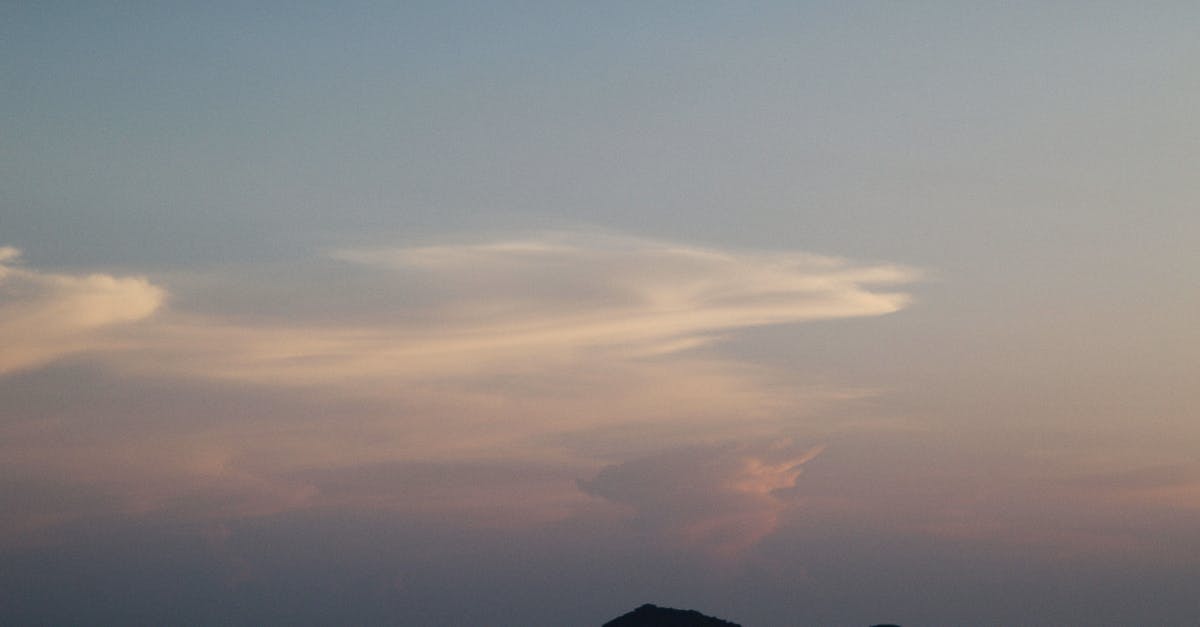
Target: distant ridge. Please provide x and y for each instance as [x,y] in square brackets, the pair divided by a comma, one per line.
[650,615]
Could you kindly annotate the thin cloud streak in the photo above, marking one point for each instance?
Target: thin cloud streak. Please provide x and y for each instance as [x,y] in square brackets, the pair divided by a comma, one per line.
[513,300]
[535,299]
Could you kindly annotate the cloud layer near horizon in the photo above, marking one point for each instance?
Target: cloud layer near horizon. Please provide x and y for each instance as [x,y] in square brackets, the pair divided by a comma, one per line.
[721,498]
[559,352]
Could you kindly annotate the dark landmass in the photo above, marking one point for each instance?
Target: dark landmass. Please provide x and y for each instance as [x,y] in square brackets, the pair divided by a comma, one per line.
[650,615]
[653,616]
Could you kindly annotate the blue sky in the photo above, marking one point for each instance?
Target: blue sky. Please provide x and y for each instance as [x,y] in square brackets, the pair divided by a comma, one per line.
[740,289]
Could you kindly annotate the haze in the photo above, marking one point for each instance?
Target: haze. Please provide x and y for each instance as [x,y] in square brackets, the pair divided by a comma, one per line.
[454,313]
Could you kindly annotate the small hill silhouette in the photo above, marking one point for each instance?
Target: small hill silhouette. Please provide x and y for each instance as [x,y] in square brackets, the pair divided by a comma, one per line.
[653,616]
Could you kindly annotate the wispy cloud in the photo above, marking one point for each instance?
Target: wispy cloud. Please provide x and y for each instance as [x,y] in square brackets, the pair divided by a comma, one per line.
[473,307]
[457,309]
[45,316]
[560,352]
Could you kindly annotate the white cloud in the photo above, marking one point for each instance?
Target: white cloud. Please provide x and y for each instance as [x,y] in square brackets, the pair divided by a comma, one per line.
[470,308]
[44,316]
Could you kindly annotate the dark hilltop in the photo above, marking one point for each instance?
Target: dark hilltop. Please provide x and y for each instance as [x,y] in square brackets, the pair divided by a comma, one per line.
[650,615]
[653,616]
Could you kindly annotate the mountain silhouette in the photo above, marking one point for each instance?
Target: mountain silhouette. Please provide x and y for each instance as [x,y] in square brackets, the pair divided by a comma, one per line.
[650,615]
[653,616]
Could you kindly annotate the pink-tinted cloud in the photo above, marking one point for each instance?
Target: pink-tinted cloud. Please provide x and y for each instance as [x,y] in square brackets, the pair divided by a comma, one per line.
[562,352]
[718,499]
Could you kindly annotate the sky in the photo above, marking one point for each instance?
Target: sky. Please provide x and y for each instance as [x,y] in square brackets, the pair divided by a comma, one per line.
[529,313]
